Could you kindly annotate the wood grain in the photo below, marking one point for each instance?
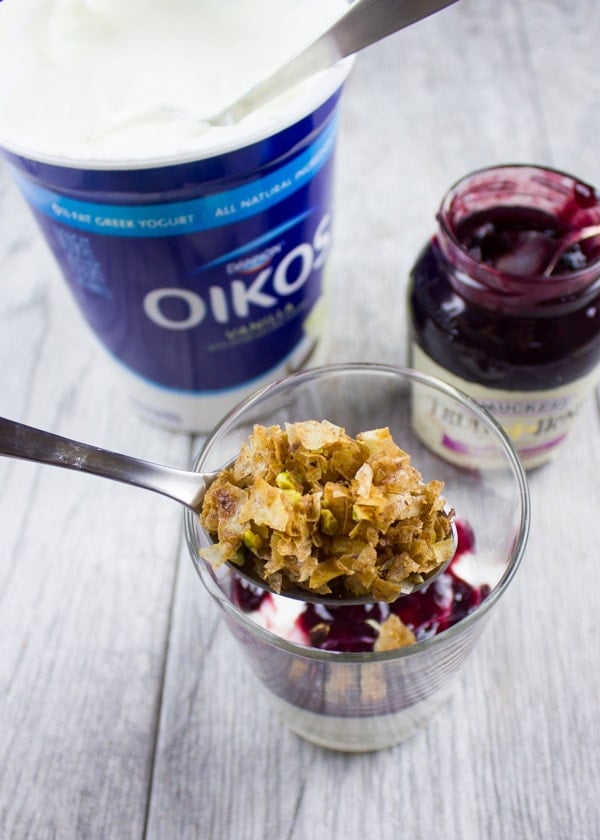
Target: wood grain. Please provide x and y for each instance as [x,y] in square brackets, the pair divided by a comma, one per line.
[125,710]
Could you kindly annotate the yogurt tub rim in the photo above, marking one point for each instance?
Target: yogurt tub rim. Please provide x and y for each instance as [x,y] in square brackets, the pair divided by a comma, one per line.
[208,580]
[316,91]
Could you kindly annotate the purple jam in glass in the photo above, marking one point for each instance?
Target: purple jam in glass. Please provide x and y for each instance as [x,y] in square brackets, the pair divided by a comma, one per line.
[446,600]
[506,302]
[523,242]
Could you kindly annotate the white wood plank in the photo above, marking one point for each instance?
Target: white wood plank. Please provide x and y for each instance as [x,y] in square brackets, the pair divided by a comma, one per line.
[562,41]
[86,573]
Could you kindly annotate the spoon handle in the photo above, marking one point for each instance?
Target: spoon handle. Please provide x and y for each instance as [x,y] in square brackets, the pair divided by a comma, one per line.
[364,23]
[29,444]
[573,237]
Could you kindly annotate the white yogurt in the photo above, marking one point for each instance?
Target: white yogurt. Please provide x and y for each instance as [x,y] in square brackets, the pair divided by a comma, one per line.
[280,616]
[88,79]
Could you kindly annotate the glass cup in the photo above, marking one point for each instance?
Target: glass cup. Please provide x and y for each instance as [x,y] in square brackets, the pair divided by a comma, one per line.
[372,700]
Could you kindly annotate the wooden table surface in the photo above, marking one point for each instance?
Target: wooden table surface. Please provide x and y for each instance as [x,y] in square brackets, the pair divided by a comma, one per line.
[125,711]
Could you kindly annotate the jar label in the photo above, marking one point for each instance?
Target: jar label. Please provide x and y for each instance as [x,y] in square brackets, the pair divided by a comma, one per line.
[536,421]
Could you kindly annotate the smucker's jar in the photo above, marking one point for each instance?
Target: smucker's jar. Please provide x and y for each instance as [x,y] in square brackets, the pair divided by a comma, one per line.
[504,304]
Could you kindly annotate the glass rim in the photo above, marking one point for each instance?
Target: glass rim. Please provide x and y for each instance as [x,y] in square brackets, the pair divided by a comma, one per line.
[553,284]
[410,375]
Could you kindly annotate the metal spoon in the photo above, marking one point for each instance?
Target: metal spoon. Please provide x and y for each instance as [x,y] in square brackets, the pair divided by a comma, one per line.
[30,444]
[364,23]
[444,549]
[574,237]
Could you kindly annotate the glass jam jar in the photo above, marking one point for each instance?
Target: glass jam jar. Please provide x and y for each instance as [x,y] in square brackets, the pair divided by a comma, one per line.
[504,304]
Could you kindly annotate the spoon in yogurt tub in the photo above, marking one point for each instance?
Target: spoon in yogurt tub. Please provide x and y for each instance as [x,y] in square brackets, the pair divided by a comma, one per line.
[363,23]
[190,489]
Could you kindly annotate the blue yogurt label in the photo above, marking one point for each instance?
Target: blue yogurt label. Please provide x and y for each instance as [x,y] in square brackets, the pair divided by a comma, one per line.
[202,295]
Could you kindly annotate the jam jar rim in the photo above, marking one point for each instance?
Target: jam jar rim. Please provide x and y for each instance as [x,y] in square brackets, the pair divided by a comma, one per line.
[513,288]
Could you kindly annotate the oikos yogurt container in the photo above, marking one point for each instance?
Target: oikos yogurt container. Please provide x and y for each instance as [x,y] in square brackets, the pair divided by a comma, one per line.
[200,269]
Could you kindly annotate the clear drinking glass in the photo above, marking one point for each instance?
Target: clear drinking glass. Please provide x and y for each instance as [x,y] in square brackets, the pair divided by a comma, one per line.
[372,700]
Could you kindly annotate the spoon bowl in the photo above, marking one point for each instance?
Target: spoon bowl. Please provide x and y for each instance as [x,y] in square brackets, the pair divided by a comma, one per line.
[188,488]
[445,551]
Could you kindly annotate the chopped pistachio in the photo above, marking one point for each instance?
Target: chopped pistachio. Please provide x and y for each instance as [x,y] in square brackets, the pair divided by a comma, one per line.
[328,523]
[286,481]
[361,512]
[252,541]
[293,495]
[237,557]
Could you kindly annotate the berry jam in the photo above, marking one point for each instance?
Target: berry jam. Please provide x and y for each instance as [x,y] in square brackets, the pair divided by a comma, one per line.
[446,600]
[505,304]
[524,242]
